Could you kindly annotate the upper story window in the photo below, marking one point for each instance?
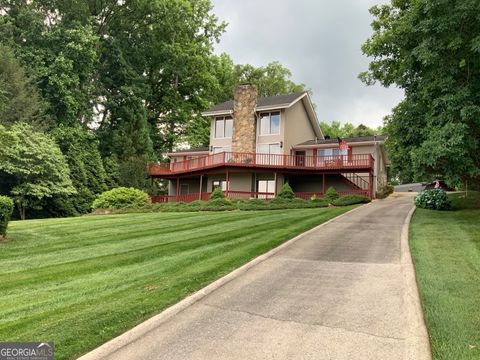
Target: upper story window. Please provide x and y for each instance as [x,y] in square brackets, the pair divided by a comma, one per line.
[269,123]
[332,152]
[223,127]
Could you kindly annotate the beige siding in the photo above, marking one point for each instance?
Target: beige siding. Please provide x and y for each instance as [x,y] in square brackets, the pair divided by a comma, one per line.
[298,127]
[238,181]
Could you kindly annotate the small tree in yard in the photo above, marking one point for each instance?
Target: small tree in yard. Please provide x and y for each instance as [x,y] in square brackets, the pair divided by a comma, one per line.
[286,192]
[217,193]
[33,166]
[6,209]
[331,194]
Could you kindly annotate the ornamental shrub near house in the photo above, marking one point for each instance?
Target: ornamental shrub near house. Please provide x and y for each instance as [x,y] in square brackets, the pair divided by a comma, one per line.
[217,193]
[434,199]
[120,198]
[6,209]
[286,192]
[331,194]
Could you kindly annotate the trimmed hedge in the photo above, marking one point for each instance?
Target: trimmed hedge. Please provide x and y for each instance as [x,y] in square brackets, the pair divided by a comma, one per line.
[120,198]
[350,200]
[6,209]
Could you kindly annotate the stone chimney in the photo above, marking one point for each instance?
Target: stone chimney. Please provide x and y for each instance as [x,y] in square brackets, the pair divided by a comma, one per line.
[244,129]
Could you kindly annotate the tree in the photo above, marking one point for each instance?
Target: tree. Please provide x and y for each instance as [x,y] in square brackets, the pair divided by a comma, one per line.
[33,166]
[431,50]
[19,100]
[273,79]
[336,130]
[80,147]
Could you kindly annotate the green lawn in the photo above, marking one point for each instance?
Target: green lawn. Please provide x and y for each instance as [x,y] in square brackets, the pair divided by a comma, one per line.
[445,247]
[82,281]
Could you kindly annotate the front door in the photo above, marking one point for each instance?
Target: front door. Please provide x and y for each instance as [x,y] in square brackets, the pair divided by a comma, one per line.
[300,158]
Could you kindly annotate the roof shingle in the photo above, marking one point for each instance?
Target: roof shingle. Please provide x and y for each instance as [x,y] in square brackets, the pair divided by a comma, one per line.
[268,101]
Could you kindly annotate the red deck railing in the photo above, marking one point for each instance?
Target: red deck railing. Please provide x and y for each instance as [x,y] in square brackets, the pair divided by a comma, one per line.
[278,161]
[244,195]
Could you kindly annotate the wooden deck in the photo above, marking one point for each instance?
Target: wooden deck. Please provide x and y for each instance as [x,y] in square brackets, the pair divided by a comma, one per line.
[356,162]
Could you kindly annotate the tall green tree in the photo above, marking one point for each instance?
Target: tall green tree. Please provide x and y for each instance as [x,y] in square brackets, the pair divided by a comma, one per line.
[81,149]
[431,49]
[19,100]
[272,79]
[32,167]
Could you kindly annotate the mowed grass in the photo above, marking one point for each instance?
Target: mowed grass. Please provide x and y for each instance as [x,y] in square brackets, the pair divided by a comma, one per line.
[445,247]
[82,281]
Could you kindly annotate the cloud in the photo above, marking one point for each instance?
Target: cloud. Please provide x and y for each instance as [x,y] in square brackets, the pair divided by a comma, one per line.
[319,41]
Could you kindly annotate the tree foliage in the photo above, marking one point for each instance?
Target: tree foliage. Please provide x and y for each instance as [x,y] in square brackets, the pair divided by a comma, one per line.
[431,50]
[19,100]
[337,130]
[32,167]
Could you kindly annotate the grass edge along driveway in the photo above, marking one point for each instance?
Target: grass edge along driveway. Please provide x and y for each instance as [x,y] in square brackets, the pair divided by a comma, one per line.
[445,247]
[82,281]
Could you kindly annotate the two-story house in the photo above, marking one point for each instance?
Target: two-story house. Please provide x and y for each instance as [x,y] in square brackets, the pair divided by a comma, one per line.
[258,144]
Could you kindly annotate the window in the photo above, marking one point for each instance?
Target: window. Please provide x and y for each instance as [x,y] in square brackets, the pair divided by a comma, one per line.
[268,148]
[219,183]
[269,123]
[223,127]
[269,154]
[265,186]
[219,149]
[332,152]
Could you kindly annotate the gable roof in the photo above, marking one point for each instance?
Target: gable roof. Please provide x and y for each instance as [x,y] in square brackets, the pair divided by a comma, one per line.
[274,103]
[278,102]
[358,139]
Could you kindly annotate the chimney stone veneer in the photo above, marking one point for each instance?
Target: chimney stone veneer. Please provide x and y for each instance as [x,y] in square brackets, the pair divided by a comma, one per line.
[244,122]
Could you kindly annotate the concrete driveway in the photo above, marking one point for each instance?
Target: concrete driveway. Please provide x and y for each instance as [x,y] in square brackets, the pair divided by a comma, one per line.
[344,291]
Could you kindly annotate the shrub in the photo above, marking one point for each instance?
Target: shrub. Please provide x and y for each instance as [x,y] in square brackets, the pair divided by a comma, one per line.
[217,193]
[286,192]
[120,198]
[350,200]
[384,191]
[6,209]
[331,194]
[435,199]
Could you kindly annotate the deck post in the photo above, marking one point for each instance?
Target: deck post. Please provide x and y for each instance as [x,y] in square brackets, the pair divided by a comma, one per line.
[178,188]
[200,189]
[323,184]
[370,185]
[275,188]
[227,181]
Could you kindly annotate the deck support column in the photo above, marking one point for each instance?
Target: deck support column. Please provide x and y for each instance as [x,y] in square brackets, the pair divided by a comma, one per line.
[323,184]
[227,181]
[370,185]
[275,187]
[178,189]
[200,189]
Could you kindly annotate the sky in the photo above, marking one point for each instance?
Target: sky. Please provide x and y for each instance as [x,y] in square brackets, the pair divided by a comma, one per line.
[319,41]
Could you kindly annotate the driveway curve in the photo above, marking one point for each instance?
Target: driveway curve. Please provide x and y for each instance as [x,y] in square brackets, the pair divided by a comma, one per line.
[344,291]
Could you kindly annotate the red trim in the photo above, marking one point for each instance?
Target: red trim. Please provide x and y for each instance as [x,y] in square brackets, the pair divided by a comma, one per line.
[265,161]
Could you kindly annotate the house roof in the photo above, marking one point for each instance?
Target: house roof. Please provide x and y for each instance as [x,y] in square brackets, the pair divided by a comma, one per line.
[358,139]
[190,150]
[274,103]
[278,101]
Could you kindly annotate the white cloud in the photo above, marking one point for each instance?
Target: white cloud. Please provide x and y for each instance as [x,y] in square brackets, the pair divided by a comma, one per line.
[319,41]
